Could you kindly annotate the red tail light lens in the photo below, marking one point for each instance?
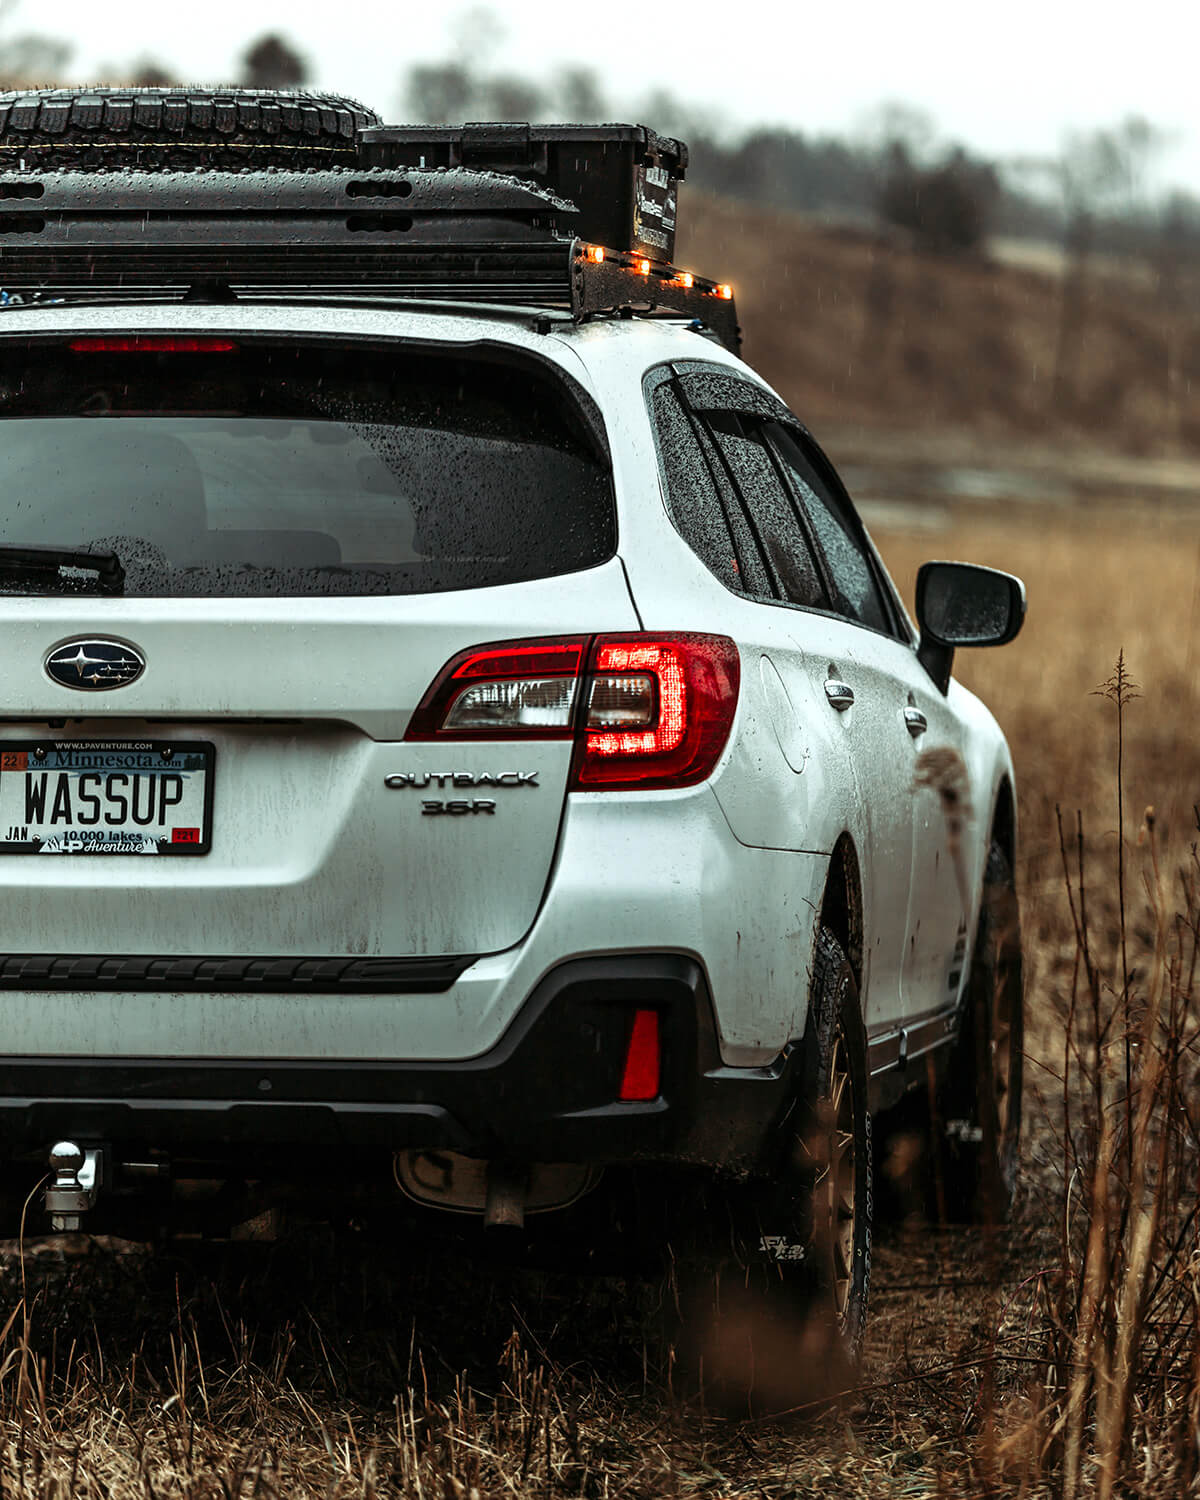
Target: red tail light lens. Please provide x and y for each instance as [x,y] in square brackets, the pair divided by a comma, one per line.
[643,1058]
[644,710]
[692,682]
[143,343]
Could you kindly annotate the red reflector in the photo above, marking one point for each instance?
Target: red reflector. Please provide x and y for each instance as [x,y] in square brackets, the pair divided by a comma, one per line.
[643,1058]
[143,343]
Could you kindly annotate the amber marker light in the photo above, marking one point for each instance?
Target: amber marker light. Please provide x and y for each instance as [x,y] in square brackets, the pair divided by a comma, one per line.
[644,267]
[686,279]
[595,253]
[724,291]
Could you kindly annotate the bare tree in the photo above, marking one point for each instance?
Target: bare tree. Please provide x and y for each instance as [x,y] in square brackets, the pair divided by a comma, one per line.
[273,63]
[149,73]
[943,206]
[578,95]
[461,88]
[33,59]
[1099,174]
[670,115]
[477,33]
[511,97]
[441,93]
[896,125]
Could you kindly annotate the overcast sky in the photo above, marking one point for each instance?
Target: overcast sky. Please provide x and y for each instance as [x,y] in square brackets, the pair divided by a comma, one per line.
[1008,79]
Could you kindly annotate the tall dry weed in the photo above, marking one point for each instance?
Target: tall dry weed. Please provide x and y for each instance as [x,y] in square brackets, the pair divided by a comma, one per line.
[1114,1406]
[1100,1393]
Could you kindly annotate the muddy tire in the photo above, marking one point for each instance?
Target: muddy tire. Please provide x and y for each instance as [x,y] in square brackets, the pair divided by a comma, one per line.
[980,1108]
[227,129]
[774,1295]
[832,1150]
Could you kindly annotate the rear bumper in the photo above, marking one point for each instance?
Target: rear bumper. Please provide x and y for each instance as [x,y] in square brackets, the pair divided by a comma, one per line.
[547,1091]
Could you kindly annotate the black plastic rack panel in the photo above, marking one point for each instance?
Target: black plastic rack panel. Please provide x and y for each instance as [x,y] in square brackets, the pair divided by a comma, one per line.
[446,233]
[623,179]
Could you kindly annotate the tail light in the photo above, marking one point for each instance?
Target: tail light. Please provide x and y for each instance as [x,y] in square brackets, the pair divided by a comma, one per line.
[658,710]
[512,690]
[151,343]
[644,710]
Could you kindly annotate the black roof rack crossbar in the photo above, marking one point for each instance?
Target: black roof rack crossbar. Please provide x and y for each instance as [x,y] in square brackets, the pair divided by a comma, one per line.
[409,233]
[85,268]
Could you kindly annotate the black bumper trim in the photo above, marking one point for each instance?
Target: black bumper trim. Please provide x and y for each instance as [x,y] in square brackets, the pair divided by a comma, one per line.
[148,971]
[547,1091]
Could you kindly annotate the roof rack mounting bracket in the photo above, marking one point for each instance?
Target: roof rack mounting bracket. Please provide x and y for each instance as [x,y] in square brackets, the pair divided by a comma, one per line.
[210,291]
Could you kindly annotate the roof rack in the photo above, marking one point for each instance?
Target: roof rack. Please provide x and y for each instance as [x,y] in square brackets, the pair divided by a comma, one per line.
[622,179]
[581,217]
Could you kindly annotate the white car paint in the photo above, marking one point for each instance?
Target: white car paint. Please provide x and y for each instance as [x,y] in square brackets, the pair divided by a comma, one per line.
[324,858]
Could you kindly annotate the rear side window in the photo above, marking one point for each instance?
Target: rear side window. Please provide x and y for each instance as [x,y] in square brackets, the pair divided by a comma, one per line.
[693,500]
[302,469]
[856,592]
[768,507]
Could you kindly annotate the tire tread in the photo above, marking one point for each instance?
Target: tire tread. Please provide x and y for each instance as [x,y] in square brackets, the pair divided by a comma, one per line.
[218,128]
[977,1188]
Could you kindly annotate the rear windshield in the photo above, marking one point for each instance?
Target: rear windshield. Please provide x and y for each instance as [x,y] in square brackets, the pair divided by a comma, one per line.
[301,469]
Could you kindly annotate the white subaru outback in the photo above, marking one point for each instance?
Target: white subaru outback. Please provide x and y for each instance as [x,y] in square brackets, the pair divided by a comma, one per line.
[458,745]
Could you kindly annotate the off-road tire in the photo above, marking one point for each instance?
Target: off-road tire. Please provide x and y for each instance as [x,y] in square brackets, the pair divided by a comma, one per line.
[775,1288]
[839,1213]
[226,129]
[980,1107]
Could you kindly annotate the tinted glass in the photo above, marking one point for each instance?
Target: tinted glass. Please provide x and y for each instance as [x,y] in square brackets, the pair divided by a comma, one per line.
[965,605]
[301,470]
[855,591]
[769,507]
[756,580]
[693,501]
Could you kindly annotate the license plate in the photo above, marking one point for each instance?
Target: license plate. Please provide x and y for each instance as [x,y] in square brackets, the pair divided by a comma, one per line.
[105,797]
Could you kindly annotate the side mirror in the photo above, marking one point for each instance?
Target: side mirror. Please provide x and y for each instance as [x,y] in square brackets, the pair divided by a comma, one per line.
[960,604]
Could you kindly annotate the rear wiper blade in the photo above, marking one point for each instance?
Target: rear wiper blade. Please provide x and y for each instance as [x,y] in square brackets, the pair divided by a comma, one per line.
[39,564]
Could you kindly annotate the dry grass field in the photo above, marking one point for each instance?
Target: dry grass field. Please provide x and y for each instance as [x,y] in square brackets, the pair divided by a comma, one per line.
[1056,1357]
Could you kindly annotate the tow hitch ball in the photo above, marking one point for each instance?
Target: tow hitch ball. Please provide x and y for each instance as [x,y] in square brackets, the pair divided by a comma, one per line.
[78,1174]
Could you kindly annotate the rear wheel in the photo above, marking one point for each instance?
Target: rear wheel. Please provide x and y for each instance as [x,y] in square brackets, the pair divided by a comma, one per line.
[831,1152]
[74,129]
[981,1103]
[774,1292]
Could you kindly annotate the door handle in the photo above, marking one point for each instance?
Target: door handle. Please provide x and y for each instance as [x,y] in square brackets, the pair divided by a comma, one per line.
[915,722]
[840,694]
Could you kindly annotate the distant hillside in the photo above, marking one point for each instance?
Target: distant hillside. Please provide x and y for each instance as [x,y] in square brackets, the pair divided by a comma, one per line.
[853,329]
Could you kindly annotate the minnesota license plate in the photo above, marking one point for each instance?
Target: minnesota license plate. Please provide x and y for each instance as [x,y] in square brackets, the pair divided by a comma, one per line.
[105,797]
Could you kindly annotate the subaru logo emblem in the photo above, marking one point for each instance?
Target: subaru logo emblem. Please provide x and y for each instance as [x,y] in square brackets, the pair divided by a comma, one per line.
[95,665]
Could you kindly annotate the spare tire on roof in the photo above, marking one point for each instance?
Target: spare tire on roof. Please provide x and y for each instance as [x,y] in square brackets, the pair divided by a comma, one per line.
[69,129]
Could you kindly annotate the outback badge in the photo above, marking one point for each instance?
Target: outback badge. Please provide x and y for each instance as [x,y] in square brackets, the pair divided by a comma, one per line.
[93,665]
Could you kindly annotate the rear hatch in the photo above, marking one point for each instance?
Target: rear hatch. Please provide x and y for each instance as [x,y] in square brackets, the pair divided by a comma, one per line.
[207,758]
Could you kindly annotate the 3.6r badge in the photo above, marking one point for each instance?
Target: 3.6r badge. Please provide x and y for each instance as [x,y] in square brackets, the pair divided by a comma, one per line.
[458,807]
